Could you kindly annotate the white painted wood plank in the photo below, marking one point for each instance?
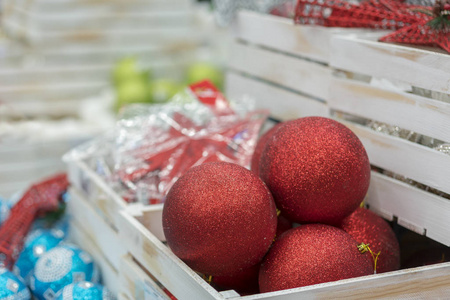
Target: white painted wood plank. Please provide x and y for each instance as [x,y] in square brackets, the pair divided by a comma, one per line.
[300,75]
[109,275]
[283,104]
[400,156]
[96,191]
[104,236]
[168,269]
[419,283]
[82,7]
[282,34]
[150,216]
[363,54]
[416,209]
[419,114]
[136,283]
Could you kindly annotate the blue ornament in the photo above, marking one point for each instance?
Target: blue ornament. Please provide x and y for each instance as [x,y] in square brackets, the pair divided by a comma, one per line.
[36,244]
[61,266]
[84,291]
[11,287]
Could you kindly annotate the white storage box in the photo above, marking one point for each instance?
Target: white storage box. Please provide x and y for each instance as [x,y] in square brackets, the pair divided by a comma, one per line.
[275,79]
[417,100]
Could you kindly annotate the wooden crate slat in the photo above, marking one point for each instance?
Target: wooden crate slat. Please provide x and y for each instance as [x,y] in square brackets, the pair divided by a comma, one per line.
[109,275]
[417,283]
[415,209]
[300,75]
[150,216]
[283,104]
[176,276]
[92,223]
[419,114]
[136,284]
[96,191]
[402,157]
[281,34]
[425,69]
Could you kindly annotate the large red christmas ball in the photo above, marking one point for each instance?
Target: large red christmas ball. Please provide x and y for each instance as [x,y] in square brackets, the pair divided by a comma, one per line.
[260,146]
[368,228]
[317,170]
[219,218]
[311,254]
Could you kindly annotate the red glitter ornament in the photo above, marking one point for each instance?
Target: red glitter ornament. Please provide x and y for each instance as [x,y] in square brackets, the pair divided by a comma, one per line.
[245,281]
[260,147]
[317,170]
[219,218]
[368,228]
[311,254]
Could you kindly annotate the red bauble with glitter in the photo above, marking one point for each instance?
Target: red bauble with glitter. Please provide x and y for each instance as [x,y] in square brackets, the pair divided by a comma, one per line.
[311,254]
[317,170]
[219,218]
[260,147]
[245,281]
[368,228]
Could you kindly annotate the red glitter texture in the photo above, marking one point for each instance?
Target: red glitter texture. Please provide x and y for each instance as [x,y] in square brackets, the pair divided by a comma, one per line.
[317,170]
[219,218]
[311,254]
[260,147]
[368,228]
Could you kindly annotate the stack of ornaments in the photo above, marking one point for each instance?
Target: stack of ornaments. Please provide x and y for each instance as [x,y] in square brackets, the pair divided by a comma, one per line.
[50,267]
[221,219]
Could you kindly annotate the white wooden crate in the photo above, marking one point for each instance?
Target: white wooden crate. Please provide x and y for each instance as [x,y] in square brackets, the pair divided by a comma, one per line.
[135,283]
[415,283]
[108,203]
[283,66]
[110,21]
[109,274]
[22,163]
[83,215]
[418,210]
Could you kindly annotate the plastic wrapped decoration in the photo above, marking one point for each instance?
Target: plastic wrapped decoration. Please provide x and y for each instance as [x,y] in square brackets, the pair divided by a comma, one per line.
[157,144]
[11,287]
[37,243]
[84,291]
[59,267]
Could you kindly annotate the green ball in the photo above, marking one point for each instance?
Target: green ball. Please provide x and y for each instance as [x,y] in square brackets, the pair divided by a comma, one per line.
[203,70]
[132,91]
[161,90]
[127,70]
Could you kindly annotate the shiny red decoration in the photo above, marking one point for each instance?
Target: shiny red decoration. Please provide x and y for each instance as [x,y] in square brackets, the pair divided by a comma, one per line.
[414,24]
[368,228]
[219,218]
[39,198]
[260,147]
[311,254]
[317,170]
